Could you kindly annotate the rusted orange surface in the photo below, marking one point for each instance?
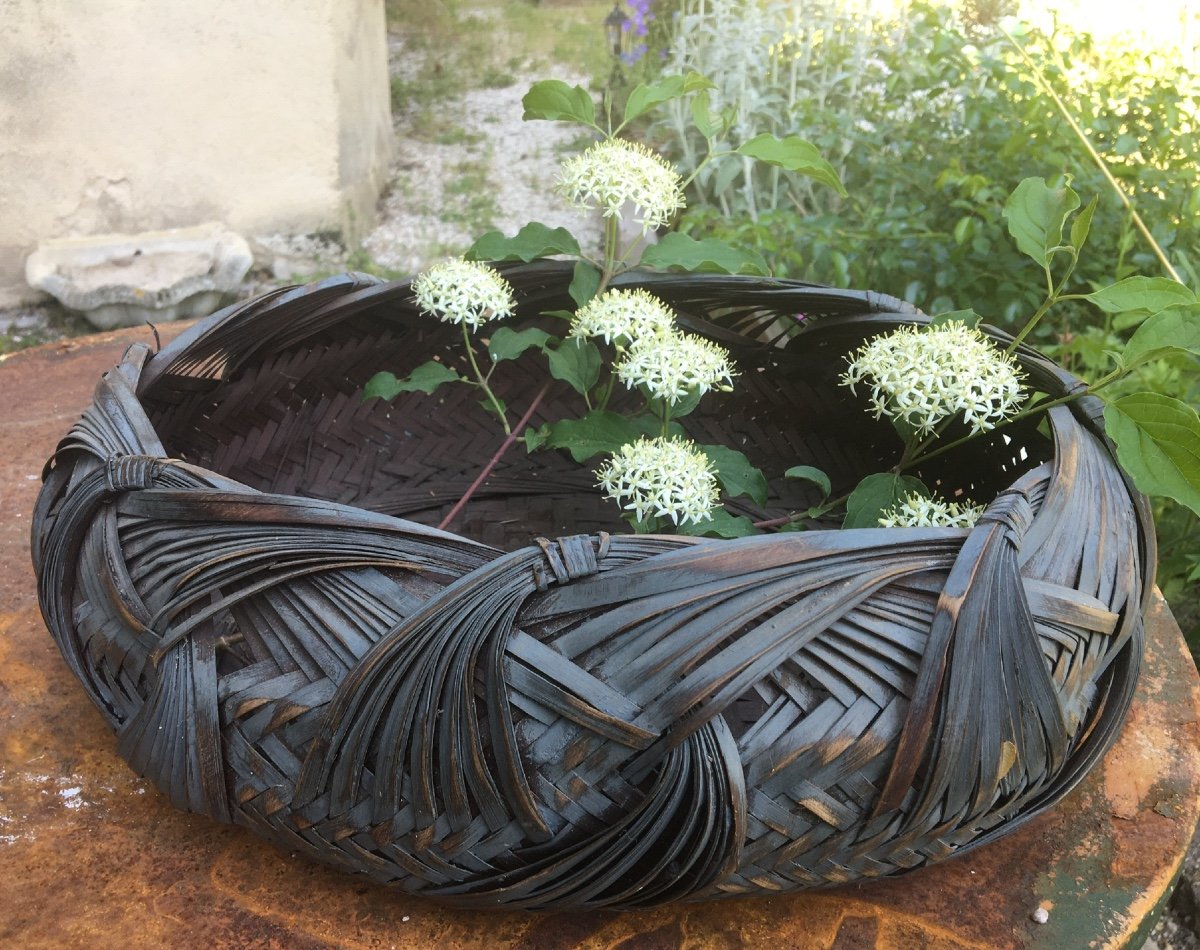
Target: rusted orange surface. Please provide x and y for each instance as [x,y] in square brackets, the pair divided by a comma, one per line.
[91,856]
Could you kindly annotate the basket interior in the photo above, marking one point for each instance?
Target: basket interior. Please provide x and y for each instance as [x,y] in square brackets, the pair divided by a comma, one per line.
[292,420]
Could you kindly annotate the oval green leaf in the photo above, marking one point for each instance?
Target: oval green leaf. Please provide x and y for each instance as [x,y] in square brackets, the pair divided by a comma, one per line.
[707,256]
[1176,330]
[645,97]
[1143,294]
[534,240]
[585,281]
[736,475]
[721,525]
[875,494]
[508,344]
[576,362]
[809,473]
[424,379]
[555,101]
[599,432]
[1158,445]
[1036,214]
[794,154]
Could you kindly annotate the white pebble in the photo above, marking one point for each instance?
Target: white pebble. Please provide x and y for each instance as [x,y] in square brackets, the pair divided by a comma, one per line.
[1041,915]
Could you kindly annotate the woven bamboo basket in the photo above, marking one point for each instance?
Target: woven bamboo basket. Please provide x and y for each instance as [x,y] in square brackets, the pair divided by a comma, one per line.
[235,556]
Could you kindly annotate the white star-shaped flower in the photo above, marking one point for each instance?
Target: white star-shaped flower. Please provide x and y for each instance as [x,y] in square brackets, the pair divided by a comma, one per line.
[458,291]
[662,478]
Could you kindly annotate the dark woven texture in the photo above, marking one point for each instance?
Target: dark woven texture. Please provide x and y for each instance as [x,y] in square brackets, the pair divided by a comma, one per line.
[602,719]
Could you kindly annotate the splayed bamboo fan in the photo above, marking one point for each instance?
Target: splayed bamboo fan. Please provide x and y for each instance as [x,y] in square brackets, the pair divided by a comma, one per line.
[234,556]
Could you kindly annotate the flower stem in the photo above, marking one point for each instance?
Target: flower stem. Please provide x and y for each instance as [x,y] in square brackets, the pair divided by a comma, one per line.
[483,380]
[495,459]
[808,513]
[1054,295]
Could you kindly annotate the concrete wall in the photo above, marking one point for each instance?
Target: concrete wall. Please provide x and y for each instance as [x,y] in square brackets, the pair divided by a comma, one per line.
[131,115]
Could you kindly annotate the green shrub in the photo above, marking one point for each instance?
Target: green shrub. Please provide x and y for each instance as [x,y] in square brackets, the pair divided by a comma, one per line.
[930,125]
[930,129]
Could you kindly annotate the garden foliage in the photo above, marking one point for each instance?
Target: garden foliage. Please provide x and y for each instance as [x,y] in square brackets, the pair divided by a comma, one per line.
[930,126]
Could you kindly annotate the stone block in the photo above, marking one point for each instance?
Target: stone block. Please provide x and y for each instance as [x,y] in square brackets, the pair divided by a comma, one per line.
[122,280]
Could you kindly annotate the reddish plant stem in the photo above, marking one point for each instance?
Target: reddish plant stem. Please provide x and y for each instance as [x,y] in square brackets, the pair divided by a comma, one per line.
[495,459]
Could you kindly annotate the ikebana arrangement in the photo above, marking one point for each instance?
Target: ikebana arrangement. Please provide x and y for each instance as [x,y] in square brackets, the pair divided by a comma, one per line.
[923,379]
[882,600]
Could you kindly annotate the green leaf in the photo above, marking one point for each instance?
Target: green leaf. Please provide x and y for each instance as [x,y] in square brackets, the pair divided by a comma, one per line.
[721,525]
[1176,330]
[534,240]
[499,411]
[576,362]
[600,431]
[809,473]
[875,494]
[554,100]
[536,438]
[687,405]
[1082,225]
[425,379]
[968,316]
[646,97]
[710,256]
[736,475]
[794,154]
[508,344]
[383,386]
[650,425]
[1036,214]
[1143,294]
[1158,444]
[585,281]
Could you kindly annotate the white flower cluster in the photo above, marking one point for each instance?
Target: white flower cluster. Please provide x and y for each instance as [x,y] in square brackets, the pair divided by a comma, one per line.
[917,511]
[664,478]
[614,172]
[458,291]
[671,365]
[925,375]
[622,316]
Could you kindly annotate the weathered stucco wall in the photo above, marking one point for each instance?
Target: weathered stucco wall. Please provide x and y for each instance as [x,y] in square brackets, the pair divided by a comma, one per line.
[131,115]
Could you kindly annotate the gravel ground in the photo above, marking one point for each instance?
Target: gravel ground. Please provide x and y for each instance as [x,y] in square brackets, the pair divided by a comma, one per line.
[505,164]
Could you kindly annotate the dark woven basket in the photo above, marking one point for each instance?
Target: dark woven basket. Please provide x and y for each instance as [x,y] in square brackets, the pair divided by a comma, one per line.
[603,719]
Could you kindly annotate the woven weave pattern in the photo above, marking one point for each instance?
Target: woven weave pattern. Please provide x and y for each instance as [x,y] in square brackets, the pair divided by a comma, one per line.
[234,557]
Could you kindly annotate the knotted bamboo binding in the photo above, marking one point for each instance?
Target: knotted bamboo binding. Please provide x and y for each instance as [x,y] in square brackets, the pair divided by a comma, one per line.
[591,718]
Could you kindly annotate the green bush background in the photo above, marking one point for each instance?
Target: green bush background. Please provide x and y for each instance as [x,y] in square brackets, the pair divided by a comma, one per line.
[931,120]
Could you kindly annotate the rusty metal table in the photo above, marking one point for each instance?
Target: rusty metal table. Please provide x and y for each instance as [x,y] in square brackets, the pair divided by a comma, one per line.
[91,856]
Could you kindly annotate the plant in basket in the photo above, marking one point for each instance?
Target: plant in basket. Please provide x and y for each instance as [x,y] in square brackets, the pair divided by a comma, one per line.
[882,600]
[924,379]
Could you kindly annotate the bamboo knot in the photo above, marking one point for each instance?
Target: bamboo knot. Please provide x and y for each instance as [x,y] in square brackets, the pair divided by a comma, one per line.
[131,472]
[1012,511]
[569,558]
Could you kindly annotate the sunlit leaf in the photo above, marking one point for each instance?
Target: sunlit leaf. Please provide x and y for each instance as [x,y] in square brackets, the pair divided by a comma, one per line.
[1158,444]
[794,154]
[1036,214]
[534,240]
[554,100]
